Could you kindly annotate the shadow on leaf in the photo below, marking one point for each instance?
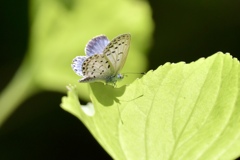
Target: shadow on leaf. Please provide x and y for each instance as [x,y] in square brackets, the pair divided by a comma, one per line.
[106,94]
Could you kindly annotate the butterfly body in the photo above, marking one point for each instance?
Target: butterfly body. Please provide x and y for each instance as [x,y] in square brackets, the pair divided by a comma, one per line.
[108,80]
[104,59]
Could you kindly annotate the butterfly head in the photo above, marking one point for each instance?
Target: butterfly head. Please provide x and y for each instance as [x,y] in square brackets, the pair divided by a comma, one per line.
[120,76]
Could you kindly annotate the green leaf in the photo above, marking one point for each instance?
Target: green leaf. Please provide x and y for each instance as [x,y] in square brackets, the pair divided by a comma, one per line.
[179,111]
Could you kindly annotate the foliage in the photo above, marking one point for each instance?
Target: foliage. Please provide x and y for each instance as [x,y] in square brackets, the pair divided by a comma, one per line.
[179,111]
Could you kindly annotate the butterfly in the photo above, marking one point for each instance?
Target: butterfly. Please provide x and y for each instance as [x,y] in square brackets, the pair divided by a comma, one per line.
[104,59]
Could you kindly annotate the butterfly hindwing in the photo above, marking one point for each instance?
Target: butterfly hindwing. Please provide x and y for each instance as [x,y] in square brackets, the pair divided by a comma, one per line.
[95,68]
[77,64]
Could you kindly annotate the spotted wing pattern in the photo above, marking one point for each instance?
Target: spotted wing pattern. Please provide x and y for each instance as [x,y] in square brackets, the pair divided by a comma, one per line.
[77,64]
[117,51]
[104,59]
[95,46]
[96,68]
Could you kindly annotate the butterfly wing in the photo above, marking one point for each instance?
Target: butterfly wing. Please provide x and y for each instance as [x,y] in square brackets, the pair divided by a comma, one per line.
[117,51]
[96,45]
[77,64]
[96,69]
[104,59]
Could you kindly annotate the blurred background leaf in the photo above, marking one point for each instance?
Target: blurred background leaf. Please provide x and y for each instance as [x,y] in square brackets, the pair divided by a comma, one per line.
[184,31]
[59,32]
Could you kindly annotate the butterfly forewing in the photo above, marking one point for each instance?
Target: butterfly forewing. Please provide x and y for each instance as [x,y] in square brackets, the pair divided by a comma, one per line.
[117,51]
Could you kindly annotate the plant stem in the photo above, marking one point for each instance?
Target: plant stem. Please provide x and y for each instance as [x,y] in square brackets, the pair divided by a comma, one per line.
[18,90]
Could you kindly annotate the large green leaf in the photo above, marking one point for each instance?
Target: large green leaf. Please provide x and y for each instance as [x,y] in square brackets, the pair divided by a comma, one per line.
[179,111]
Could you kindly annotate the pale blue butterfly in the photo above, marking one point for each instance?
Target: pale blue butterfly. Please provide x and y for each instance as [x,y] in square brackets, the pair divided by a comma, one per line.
[104,59]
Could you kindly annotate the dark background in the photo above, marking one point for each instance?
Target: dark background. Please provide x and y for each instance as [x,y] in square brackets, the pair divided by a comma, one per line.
[40,129]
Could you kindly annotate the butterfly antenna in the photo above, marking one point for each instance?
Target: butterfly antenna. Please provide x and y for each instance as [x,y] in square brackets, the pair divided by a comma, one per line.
[126,74]
[135,73]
